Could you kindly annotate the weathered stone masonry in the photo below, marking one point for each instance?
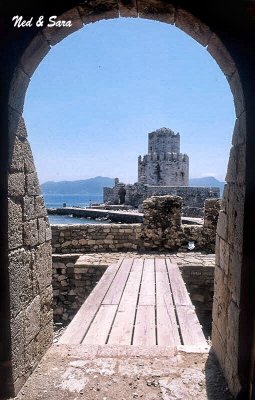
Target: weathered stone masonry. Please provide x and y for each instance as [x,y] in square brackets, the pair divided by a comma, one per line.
[72,282]
[161,229]
[30,263]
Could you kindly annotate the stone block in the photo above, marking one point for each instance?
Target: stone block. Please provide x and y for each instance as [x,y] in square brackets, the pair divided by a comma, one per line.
[44,339]
[55,34]
[219,52]
[217,251]
[222,225]
[232,166]
[14,120]
[34,54]
[43,266]
[221,301]
[21,287]
[231,374]
[32,320]
[28,158]
[233,326]
[95,10]
[15,225]
[46,314]
[16,161]
[157,10]
[30,233]
[48,235]
[237,91]
[42,223]
[193,27]
[219,345]
[241,164]
[18,345]
[29,208]
[235,268]
[19,85]
[32,185]
[224,256]
[236,216]
[128,8]
[16,184]
[40,208]
[239,135]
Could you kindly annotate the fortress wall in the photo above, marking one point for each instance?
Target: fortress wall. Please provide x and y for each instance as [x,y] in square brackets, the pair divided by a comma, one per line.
[161,229]
[72,283]
[98,237]
[164,169]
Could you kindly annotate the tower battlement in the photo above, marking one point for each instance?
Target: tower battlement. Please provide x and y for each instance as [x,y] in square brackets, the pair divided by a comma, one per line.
[163,140]
[164,165]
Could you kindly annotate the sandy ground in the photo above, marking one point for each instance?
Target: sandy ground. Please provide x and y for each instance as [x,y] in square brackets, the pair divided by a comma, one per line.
[125,373]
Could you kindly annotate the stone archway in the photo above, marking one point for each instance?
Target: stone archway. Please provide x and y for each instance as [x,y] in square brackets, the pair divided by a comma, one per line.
[26,319]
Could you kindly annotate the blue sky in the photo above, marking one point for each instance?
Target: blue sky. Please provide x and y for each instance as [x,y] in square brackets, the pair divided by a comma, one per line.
[97,94]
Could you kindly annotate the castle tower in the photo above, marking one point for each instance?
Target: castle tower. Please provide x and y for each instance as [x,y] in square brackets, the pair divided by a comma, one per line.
[164,165]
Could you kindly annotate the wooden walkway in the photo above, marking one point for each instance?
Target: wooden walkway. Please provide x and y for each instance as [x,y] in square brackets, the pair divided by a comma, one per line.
[137,302]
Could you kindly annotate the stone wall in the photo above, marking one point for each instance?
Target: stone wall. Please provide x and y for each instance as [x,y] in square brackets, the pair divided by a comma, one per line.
[161,229]
[72,282]
[229,264]
[98,237]
[162,225]
[164,169]
[193,197]
[199,281]
[30,262]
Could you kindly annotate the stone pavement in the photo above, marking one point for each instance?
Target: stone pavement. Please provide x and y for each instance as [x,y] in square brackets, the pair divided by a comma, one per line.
[125,373]
[181,258]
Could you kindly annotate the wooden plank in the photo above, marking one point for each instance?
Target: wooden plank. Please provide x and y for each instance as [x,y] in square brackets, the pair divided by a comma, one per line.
[167,328]
[78,326]
[100,327]
[147,291]
[122,329]
[114,293]
[178,288]
[145,330]
[163,292]
[191,330]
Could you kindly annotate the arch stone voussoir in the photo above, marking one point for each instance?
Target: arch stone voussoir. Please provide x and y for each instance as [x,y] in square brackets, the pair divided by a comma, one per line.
[128,8]
[156,10]
[193,27]
[220,54]
[56,34]
[34,54]
[94,10]
[19,85]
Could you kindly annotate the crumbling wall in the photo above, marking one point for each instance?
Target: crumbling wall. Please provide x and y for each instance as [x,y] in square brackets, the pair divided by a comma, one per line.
[72,283]
[161,229]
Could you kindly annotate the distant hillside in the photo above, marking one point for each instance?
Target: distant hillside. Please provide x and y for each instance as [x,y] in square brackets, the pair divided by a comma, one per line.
[207,181]
[94,186]
[86,187]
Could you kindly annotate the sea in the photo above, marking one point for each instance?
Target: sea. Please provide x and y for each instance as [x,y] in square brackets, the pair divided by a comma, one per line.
[58,200]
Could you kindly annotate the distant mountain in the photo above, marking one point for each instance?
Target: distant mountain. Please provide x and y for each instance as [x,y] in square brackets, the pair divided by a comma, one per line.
[86,186]
[94,186]
[207,181]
